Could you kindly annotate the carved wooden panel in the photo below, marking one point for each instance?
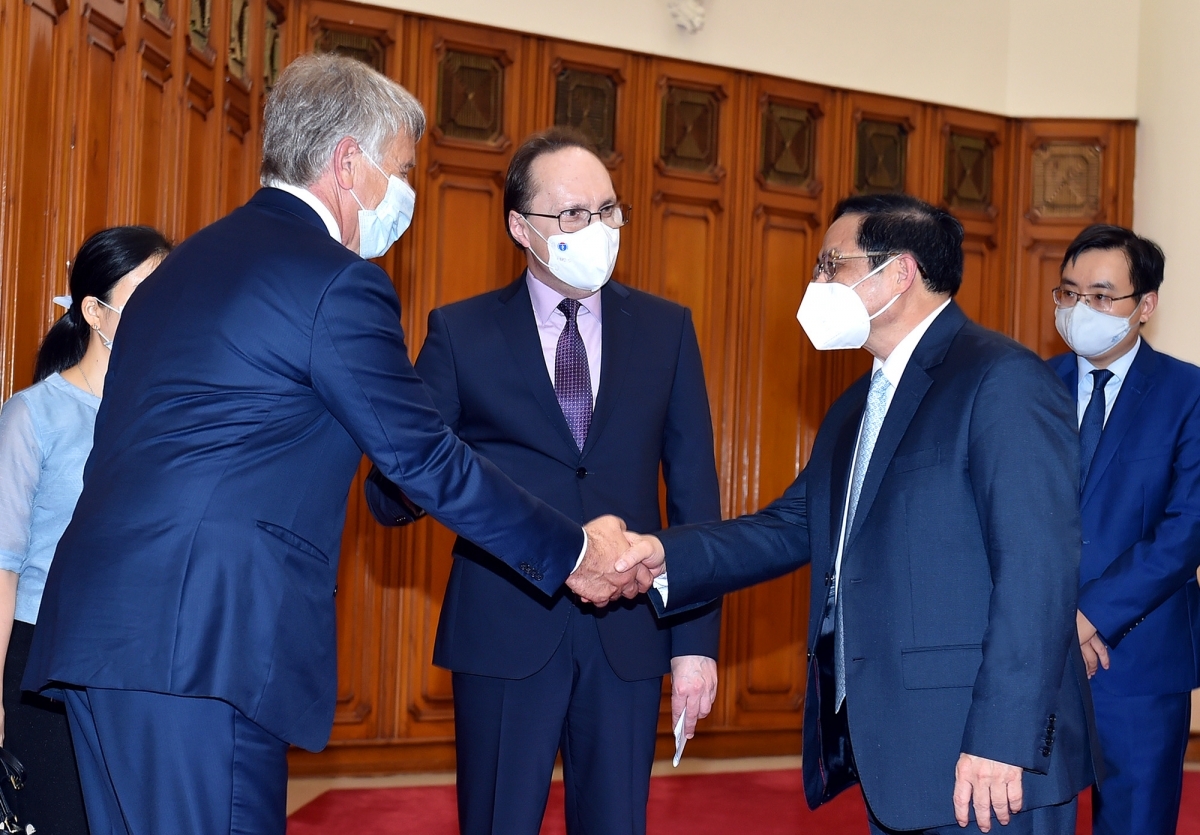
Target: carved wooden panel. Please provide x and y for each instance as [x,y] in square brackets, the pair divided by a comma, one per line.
[881,152]
[968,179]
[152,142]
[788,144]
[239,39]
[690,129]
[272,61]
[372,51]
[587,101]
[200,24]
[96,107]
[470,102]
[1066,180]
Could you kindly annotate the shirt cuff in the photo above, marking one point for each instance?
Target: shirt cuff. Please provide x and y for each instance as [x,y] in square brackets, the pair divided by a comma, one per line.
[660,585]
[582,553]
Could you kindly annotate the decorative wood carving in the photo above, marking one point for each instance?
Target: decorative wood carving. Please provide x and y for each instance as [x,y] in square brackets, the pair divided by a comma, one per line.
[880,157]
[689,129]
[470,101]
[372,51]
[968,182]
[200,24]
[788,144]
[273,17]
[156,9]
[1066,180]
[239,39]
[588,101]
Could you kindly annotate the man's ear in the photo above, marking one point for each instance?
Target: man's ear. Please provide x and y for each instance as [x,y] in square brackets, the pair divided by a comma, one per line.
[1148,304]
[346,161]
[909,272]
[518,228]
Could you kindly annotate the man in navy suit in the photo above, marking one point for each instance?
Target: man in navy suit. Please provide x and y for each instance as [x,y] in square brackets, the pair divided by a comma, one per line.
[1139,606]
[189,616]
[939,506]
[579,394]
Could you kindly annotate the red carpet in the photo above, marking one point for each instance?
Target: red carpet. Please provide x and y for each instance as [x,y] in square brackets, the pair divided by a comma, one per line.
[762,802]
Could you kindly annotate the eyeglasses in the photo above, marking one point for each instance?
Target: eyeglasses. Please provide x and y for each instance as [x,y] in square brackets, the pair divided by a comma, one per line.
[573,220]
[1096,301]
[829,262]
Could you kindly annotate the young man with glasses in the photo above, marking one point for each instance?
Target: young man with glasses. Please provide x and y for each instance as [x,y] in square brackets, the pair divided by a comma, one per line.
[581,390]
[1139,605]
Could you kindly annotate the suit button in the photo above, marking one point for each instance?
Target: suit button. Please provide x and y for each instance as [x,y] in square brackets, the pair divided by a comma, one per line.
[335,589]
[1046,751]
[581,472]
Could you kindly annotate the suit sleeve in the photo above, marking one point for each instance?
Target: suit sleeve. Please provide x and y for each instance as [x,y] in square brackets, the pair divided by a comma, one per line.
[690,472]
[1023,460]
[361,371]
[708,560]
[1138,581]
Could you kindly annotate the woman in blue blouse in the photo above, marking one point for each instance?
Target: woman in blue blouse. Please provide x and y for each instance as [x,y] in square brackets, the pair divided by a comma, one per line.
[45,438]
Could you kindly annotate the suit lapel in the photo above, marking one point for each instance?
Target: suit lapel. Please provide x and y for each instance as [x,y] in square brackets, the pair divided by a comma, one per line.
[617,328]
[913,385]
[516,321]
[1124,411]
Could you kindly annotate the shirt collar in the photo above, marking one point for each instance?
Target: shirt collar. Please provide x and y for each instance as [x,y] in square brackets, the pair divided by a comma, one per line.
[893,367]
[1119,367]
[546,300]
[314,203]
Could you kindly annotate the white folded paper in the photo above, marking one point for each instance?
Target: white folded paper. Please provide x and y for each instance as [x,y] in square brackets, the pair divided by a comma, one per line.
[680,737]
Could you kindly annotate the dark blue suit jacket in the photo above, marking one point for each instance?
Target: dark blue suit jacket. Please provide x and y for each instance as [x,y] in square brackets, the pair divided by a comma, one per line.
[960,575]
[251,372]
[483,364]
[1141,527]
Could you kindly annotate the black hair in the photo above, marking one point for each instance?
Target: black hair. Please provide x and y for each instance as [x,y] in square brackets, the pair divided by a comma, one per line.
[1145,257]
[103,260]
[898,223]
[518,184]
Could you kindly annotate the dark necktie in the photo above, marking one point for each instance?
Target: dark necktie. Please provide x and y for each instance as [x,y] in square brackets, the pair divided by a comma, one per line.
[1092,424]
[572,378]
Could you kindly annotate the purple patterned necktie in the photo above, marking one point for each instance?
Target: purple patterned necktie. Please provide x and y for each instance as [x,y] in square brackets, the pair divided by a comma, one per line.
[572,378]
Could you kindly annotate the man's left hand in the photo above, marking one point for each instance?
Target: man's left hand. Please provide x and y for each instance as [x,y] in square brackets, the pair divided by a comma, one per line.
[693,685]
[988,786]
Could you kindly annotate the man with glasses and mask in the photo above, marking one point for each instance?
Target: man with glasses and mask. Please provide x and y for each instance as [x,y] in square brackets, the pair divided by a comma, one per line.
[189,612]
[581,390]
[1139,478]
[939,513]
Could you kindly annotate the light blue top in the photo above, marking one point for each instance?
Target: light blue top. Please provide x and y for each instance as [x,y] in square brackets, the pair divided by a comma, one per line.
[45,438]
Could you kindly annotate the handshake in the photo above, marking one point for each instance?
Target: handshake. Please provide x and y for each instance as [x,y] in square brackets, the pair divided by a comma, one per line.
[617,563]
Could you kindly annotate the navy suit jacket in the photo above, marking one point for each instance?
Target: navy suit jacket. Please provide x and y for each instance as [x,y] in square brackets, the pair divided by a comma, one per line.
[1141,527]
[959,575]
[484,367]
[251,372]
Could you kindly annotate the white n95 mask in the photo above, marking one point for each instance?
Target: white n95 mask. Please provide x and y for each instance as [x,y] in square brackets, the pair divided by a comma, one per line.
[834,317]
[382,226]
[1089,333]
[583,259]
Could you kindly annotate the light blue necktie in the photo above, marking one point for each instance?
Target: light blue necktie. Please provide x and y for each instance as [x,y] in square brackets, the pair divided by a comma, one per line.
[873,419]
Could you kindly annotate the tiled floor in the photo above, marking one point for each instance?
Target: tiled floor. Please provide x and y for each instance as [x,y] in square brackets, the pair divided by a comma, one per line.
[301,790]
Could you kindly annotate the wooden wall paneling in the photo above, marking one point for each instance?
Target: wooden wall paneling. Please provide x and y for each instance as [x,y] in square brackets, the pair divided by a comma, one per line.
[242,49]
[200,121]
[972,182]
[1069,174]
[886,146]
[153,108]
[42,35]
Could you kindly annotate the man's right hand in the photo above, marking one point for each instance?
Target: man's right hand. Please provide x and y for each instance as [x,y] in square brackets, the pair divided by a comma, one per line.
[611,568]
[1095,653]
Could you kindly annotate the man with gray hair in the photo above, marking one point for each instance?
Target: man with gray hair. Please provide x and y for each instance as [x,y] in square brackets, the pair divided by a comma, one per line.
[188,622]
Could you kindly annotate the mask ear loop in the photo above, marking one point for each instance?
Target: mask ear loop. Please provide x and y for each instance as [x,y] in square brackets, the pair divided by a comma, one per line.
[873,272]
[540,235]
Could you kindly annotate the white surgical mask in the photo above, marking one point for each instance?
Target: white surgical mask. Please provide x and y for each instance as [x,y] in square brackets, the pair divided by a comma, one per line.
[1091,333]
[382,226]
[834,317]
[583,259]
[104,340]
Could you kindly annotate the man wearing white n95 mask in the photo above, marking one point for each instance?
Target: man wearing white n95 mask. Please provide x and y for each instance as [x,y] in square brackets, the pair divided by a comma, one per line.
[188,619]
[580,389]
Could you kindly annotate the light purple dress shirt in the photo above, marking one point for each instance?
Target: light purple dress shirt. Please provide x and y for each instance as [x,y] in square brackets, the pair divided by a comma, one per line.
[551,321]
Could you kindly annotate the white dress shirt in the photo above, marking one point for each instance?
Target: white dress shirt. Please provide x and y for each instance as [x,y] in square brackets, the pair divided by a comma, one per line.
[1120,369]
[311,199]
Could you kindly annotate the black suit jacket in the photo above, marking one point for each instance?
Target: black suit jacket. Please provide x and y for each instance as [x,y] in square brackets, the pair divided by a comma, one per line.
[959,575]
[482,362]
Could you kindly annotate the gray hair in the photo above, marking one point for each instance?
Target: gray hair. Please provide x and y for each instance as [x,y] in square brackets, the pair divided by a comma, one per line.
[320,99]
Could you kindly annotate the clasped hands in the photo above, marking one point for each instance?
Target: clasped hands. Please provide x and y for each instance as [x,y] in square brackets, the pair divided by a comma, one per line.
[617,563]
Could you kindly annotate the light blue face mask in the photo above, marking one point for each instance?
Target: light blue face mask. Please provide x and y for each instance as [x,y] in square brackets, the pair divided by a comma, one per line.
[382,226]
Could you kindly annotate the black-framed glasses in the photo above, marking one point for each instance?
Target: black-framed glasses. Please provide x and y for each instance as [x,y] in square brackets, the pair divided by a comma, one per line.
[573,220]
[1100,302]
[828,262]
